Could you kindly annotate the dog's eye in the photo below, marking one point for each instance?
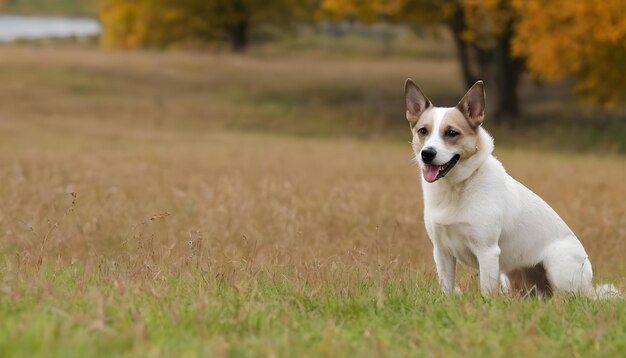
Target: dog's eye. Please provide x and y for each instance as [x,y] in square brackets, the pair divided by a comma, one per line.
[422,131]
[452,133]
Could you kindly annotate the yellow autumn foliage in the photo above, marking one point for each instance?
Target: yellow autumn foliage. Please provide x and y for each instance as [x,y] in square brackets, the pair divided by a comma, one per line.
[584,39]
[152,23]
[158,23]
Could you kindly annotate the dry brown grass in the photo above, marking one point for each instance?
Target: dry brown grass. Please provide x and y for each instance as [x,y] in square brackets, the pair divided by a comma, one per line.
[286,206]
[77,87]
[133,134]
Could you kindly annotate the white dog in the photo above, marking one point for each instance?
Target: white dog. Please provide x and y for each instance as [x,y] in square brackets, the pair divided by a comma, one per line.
[476,213]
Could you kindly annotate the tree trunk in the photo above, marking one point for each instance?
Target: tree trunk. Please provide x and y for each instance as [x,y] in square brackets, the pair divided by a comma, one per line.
[239,36]
[457,26]
[508,70]
[495,65]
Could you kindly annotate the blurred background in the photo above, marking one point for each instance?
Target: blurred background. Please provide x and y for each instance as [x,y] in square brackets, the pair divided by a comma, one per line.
[555,71]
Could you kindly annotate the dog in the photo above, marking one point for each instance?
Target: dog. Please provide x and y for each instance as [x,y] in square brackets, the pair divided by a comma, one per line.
[476,213]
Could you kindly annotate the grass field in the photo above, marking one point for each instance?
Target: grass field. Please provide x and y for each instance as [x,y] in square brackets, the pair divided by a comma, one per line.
[195,205]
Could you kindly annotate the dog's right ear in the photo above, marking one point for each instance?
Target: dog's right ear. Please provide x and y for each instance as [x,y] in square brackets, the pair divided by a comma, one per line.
[416,102]
[473,105]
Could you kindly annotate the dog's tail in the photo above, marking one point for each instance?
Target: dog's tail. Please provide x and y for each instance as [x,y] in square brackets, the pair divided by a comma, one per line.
[605,291]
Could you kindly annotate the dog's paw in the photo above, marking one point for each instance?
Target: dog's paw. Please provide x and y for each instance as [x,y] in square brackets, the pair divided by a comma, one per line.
[505,285]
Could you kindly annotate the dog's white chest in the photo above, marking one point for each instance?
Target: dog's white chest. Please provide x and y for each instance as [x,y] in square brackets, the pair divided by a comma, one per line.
[454,239]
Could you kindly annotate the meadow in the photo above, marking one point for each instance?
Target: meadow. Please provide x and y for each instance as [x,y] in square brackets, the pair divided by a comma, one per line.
[188,204]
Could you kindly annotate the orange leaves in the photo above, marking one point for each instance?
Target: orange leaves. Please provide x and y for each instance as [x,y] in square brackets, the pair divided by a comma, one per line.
[339,9]
[129,24]
[585,39]
[159,23]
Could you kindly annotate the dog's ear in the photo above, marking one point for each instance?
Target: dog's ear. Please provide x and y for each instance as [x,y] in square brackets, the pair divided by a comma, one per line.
[416,102]
[473,105]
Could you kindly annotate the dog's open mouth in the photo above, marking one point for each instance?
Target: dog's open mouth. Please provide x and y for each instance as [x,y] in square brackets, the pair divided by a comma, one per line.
[434,172]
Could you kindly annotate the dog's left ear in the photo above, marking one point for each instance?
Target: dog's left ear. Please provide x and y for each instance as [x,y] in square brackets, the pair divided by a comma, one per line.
[473,105]
[416,102]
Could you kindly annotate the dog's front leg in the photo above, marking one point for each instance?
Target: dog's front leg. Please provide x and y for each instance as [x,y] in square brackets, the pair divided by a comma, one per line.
[446,267]
[489,266]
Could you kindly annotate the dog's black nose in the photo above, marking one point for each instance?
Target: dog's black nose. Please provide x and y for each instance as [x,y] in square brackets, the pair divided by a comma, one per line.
[428,154]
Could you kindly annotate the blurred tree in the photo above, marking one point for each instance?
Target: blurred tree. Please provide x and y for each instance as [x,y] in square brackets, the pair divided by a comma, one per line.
[482,31]
[487,28]
[151,23]
[584,39]
[158,23]
[496,38]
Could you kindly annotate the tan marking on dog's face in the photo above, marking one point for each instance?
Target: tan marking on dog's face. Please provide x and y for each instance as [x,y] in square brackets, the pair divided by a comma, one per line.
[424,121]
[466,139]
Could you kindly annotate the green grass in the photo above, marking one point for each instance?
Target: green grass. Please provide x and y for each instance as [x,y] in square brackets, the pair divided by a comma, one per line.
[199,315]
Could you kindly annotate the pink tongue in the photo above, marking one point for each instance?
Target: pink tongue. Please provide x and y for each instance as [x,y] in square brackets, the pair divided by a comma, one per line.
[430,172]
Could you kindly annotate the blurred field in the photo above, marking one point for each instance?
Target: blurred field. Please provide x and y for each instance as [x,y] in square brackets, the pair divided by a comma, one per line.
[305,96]
[184,204]
[312,95]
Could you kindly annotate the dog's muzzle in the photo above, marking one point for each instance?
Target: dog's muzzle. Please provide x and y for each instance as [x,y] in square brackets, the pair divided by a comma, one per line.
[435,172]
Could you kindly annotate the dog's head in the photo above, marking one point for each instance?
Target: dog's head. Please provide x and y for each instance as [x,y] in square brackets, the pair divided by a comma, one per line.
[443,137]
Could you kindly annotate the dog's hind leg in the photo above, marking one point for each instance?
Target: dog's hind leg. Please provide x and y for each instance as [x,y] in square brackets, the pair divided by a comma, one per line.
[568,268]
